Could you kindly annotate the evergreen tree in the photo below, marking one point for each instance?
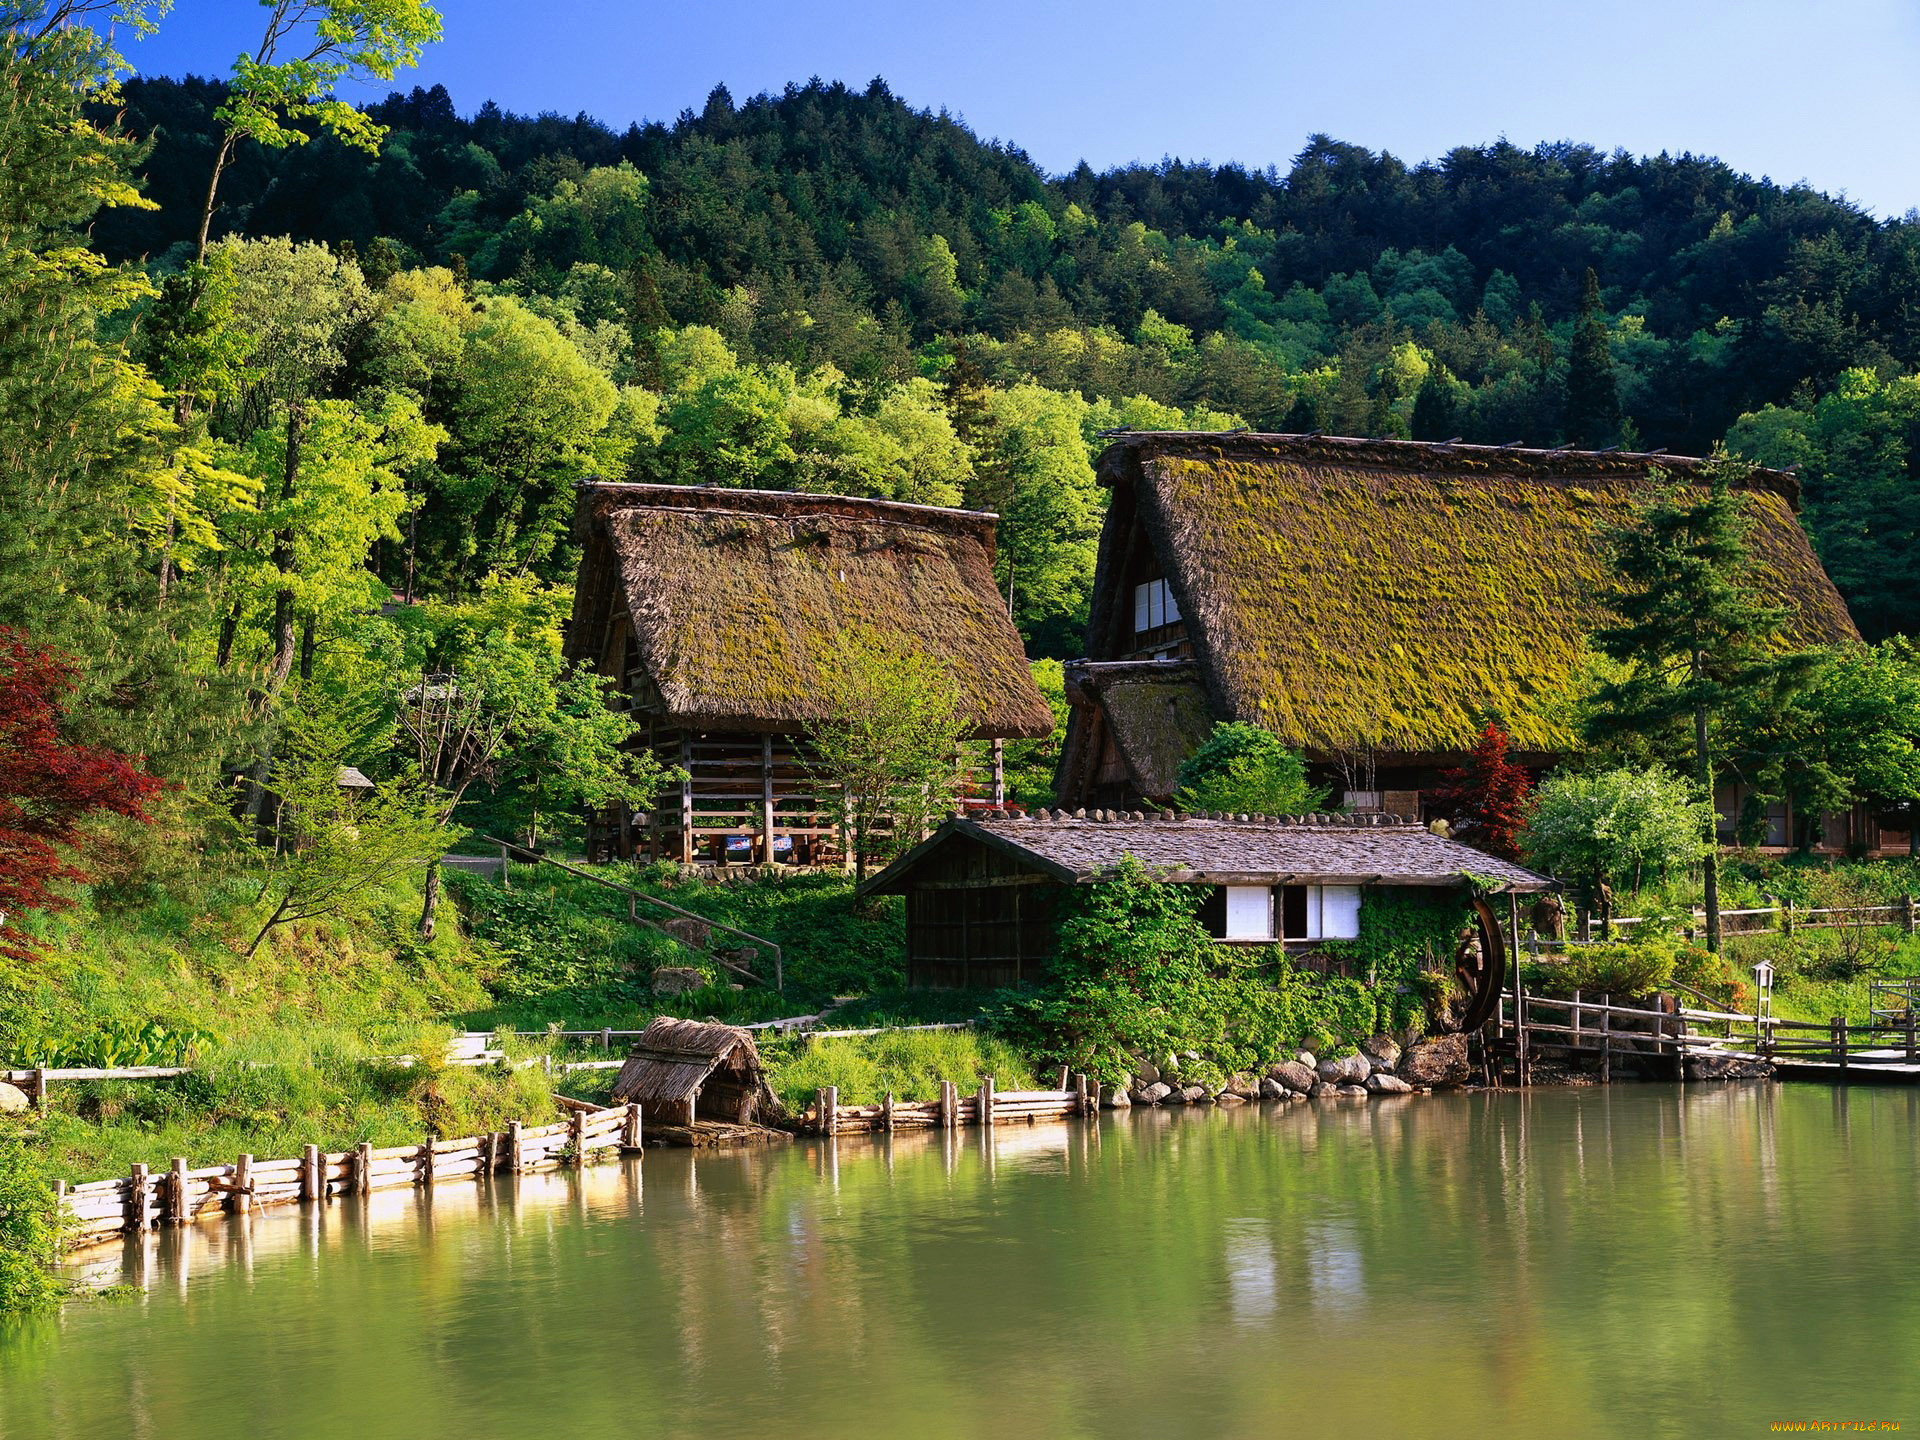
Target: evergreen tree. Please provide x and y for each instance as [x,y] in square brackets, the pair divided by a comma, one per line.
[1436,407]
[1695,638]
[1593,398]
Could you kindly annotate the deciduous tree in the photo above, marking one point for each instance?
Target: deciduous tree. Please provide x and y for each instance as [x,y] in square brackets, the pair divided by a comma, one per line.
[50,786]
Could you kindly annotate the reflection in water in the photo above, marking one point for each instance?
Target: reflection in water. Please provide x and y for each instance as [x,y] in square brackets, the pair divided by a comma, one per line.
[1592,1262]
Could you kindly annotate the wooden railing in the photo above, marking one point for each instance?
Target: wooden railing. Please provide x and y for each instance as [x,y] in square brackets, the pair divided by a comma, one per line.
[144,1199]
[770,952]
[1901,914]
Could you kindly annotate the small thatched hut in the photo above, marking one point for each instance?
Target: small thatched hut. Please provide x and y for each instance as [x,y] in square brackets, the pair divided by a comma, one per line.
[1367,600]
[682,1071]
[714,613]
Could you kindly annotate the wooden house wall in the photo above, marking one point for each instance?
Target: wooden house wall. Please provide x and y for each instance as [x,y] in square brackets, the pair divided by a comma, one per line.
[977,919]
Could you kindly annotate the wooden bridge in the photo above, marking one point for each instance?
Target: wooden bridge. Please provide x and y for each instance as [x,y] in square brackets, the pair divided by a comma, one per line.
[1665,1038]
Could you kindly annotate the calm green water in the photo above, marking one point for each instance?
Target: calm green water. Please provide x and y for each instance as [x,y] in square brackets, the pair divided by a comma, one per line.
[1640,1261]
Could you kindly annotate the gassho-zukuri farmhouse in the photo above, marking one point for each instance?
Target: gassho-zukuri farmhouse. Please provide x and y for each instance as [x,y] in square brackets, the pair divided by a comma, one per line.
[1370,601]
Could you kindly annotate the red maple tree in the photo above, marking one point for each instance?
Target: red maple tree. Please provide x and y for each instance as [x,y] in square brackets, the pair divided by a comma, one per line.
[49,786]
[1485,797]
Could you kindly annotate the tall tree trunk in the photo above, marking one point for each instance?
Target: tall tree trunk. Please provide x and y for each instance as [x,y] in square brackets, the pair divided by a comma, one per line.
[220,162]
[284,646]
[306,649]
[1710,866]
[430,904]
[229,627]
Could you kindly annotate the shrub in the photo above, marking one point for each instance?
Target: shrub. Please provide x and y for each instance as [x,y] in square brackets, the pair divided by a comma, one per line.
[1615,825]
[1623,968]
[1244,768]
[29,1230]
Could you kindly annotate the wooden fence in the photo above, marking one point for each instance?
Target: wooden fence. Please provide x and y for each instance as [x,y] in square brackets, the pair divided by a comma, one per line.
[986,1106]
[1902,914]
[144,1199]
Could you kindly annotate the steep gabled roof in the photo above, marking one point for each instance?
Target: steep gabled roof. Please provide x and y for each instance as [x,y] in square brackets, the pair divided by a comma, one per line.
[1268,850]
[1345,593]
[735,596]
[673,1058]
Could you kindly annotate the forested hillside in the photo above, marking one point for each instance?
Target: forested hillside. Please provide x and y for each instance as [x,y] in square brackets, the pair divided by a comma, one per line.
[846,247]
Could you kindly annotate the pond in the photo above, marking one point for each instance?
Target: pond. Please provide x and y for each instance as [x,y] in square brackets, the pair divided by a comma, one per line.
[1636,1260]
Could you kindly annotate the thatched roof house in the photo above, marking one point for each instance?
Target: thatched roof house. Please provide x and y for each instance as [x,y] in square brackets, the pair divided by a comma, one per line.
[1364,598]
[681,1071]
[714,611]
[982,893]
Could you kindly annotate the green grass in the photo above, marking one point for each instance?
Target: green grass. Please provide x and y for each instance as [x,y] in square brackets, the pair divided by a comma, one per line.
[911,1065]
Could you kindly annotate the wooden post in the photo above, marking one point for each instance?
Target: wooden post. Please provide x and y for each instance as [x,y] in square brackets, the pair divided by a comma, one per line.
[1838,1028]
[59,1201]
[999,772]
[1061,1083]
[766,800]
[686,799]
[177,1192]
[1081,1093]
[630,1133]
[606,1039]
[1519,1028]
[986,1099]
[1576,1019]
[1606,1040]
[1910,1055]
[37,1088]
[886,1113]
[830,1110]
[426,1158]
[240,1199]
[949,1104]
[505,882]
[363,1168]
[139,1217]
[313,1181]
[577,1137]
[1909,914]
[513,1145]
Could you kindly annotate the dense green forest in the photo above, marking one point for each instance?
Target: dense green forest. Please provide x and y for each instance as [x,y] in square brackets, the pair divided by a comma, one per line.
[846,247]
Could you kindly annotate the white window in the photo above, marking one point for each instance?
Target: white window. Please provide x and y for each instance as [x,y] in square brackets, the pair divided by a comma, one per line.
[1320,912]
[1153,606]
[1363,800]
[1340,912]
[1249,912]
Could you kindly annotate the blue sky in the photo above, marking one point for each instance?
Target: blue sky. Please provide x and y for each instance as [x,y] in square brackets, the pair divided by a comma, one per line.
[1826,91]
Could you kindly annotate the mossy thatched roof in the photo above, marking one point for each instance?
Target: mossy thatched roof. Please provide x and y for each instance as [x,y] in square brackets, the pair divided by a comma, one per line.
[735,597]
[1346,593]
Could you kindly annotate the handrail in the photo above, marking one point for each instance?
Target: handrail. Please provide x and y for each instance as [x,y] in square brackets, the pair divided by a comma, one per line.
[779,976]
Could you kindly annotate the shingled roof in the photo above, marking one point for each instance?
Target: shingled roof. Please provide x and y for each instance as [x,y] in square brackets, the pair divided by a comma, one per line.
[1264,850]
[1346,593]
[734,597]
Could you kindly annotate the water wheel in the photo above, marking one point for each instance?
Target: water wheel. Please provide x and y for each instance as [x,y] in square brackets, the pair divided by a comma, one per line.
[1480,966]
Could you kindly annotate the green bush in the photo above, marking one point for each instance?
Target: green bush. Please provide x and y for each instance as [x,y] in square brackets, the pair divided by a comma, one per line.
[29,1229]
[1244,769]
[1621,968]
[910,1064]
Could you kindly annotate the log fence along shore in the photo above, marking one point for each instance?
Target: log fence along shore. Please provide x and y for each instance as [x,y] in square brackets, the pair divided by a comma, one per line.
[145,1199]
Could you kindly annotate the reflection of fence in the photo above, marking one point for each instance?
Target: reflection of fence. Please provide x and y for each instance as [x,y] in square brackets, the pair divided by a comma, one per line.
[986,1106]
[144,1199]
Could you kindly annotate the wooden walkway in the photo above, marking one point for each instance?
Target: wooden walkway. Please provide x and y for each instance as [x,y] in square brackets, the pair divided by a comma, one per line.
[1661,1037]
